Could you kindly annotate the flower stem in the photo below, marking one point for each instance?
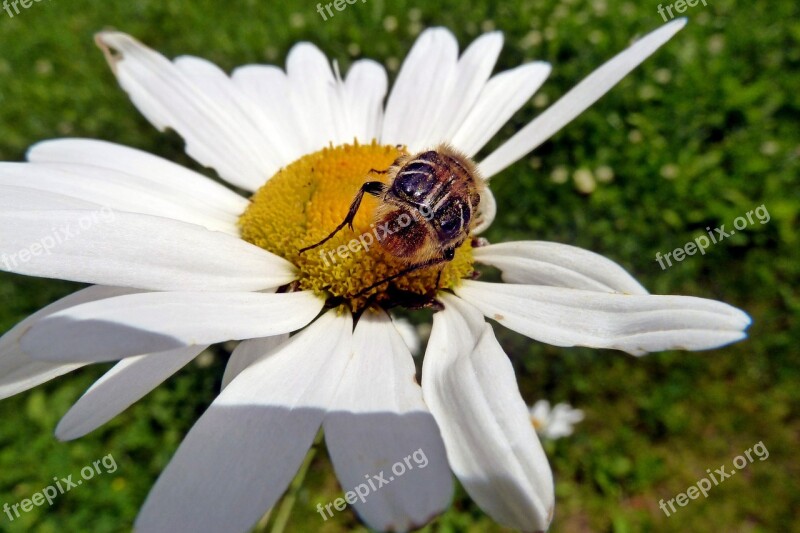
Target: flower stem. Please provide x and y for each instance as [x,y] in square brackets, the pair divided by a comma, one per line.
[290,498]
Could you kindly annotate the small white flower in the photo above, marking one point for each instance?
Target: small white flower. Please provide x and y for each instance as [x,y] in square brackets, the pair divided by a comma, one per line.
[187,262]
[556,422]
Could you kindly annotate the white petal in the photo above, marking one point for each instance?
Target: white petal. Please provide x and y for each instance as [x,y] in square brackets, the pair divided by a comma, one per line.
[115,190]
[557,265]
[564,412]
[541,410]
[23,198]
[119,388]
[18,371]
[268,87]
[469,78]
[242,453]
[577,100]
[248,352]
[486,212]
[557,429]
[470,387]
[195,189]
[421,89]
[636,323]
[559,422]
[126,249]
[502,96]
[216,134]
[365,89]
[218,86]
[409,334]
[313,91]
[377,420]
[160,321]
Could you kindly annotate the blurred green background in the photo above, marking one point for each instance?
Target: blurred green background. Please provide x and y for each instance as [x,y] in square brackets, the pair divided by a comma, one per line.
[703,132]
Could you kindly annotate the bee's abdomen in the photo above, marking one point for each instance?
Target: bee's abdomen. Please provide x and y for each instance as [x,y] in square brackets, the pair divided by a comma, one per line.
[408,237]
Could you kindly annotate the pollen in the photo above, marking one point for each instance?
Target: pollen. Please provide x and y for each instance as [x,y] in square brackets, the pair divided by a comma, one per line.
[305,201]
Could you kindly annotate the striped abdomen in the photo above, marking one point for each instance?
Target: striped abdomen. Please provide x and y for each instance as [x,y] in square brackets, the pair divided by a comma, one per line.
[439,191]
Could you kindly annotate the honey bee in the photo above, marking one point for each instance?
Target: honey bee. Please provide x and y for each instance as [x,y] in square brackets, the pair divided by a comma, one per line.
[437,192]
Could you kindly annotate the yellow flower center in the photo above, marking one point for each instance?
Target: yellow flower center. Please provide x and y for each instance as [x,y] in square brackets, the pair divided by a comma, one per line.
[305,201]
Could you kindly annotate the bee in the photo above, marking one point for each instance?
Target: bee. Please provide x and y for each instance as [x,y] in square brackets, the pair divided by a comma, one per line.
[436,193]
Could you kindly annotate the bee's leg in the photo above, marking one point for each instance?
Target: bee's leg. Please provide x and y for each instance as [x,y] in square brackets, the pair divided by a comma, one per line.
[376,171]
[446,256]
[374,188]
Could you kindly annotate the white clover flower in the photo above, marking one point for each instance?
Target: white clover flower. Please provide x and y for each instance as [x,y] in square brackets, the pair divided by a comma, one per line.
[556,422]
[185,262]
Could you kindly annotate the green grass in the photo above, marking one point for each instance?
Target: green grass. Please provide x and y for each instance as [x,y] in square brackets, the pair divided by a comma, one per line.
[702,133]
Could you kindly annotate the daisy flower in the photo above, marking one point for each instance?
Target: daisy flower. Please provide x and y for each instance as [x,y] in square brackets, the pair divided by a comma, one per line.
[556,422]
[185,262]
